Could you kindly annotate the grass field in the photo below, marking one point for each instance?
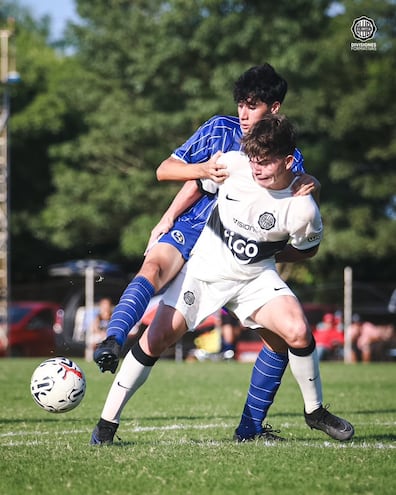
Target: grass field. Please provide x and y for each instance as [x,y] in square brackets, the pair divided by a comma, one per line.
[177,436]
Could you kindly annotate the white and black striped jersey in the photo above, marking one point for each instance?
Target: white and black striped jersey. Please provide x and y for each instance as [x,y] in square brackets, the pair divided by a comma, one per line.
[250,224]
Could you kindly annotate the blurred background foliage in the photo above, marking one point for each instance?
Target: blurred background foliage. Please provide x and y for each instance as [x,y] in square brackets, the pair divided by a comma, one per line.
[97,111]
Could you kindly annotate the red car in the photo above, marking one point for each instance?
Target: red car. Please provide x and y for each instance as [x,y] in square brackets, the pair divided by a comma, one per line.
[33,328]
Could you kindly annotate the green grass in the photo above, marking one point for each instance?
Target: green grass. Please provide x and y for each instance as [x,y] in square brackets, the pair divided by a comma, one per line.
[176,436]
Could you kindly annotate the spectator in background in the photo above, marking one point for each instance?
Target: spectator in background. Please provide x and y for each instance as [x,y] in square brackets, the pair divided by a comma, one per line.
[339,321]
[101,321]
[368,339]
[329,339]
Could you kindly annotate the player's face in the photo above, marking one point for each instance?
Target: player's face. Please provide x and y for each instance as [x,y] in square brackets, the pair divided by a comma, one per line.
[251,112]
[271,172]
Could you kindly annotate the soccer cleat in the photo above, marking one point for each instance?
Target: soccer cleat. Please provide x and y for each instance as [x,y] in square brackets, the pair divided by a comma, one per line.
[103,433]
[335,427]
[268,435]
[107,355]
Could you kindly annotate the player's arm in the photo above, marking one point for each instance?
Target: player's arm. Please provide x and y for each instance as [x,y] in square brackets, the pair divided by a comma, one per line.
[185,198]
[175,169]
[306,234]
[304,184]
[290,254]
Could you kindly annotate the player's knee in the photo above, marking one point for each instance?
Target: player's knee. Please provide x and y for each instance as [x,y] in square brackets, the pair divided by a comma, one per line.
[159,341]
[151,270]
[299,334]
[158,344]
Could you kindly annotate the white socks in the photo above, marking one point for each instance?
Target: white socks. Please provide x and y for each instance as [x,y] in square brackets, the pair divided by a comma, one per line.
[129,378]
[305,370]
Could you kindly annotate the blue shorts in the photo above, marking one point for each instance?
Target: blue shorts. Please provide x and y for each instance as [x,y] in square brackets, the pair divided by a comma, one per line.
[183,236]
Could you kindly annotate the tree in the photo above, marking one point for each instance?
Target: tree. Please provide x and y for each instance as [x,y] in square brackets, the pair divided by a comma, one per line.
[145,74]
[156,71]
[347,122]
[41,115]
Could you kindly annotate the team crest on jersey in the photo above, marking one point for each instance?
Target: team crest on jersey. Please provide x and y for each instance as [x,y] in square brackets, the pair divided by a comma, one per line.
[267,221]
[189,298]
[178,237]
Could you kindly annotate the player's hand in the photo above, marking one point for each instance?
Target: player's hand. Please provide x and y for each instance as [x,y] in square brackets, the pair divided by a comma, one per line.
[305,184]
[216,171]
[162,227]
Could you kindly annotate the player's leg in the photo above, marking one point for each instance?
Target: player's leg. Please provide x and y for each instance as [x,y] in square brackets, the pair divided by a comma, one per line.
[285,317]
[266,377]
[174,315]
[271,362]
[230,331]
[161,264]
[167,327]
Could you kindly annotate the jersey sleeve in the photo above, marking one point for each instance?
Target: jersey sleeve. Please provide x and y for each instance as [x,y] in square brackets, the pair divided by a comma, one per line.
[305,223]
[207,186]
[217,134]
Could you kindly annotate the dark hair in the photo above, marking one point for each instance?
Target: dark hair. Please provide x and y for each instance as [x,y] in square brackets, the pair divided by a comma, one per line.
[272,136]
[260,83]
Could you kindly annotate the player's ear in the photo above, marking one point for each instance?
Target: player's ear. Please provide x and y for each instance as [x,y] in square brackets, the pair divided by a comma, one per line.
[289,161]
[274,108]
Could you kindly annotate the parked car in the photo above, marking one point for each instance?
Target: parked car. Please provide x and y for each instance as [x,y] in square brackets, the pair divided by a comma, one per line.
[33,328]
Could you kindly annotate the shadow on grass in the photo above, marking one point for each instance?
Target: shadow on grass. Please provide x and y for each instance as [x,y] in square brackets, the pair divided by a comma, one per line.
[374,411]
[286,414]
[376,438]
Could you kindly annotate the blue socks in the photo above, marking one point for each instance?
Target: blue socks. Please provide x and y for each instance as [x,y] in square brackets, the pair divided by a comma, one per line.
[130,309]
[265,380]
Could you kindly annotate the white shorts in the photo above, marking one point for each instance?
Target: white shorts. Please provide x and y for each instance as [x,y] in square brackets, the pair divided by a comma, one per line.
[196,299]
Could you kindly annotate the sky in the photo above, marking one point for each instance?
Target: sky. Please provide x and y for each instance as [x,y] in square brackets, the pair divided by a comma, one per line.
[60,12]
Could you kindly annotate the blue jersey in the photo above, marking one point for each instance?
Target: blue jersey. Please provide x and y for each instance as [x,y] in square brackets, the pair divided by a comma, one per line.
[220,133]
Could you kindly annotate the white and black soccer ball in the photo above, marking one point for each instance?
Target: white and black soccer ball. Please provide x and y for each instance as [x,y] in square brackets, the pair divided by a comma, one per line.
[58,385]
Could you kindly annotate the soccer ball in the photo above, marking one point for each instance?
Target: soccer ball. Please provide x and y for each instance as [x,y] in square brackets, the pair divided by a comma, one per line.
[58,385]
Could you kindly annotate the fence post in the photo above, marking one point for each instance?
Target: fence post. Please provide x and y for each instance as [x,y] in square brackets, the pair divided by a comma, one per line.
[348,283]
[89,310]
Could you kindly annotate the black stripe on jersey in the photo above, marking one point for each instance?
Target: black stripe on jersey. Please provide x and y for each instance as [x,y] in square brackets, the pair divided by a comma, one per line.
[245,250]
